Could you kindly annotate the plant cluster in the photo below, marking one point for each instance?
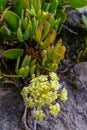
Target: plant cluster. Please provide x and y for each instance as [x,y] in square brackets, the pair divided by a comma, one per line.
[38,21]
[30,18]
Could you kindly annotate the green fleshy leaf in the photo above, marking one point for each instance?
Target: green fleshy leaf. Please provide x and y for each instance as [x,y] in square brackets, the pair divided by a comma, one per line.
[13,53]
[84,20]
[20,5]
[12,20]
[61,16]
[77,3]
[26,61]
[26,71]
[19,35]
[6,33]
[53,6]
[2,5]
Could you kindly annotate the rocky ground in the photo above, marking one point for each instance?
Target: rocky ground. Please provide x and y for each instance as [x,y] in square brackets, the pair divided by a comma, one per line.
[73,114]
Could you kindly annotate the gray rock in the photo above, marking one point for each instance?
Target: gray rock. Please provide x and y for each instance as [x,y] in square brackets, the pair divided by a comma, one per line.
[11,108]
[82,10]
[81,70]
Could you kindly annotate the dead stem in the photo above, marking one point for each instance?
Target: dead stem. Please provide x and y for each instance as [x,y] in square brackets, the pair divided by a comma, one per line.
[69,30]
[4,63]
[84,85]
[24,119]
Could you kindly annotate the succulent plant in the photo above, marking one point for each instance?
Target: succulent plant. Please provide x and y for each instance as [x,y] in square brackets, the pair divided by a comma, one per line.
[2,5]
[27,66]
[37,20]
[27,16]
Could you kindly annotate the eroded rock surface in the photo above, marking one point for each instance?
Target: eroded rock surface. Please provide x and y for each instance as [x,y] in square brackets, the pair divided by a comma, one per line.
[11,108]
[81,70]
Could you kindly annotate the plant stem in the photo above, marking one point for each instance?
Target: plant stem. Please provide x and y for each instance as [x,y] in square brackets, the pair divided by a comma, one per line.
[35,123]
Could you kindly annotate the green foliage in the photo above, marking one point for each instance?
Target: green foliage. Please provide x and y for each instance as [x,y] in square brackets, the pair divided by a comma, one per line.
[12,20]
[51,56]
[77,3]
[13,53]
[9,30]
[83,50]
[27,66]
[37,20]
[28,15]
[31,16]
[6,33]
[20,5]
[2,5]
[84,20]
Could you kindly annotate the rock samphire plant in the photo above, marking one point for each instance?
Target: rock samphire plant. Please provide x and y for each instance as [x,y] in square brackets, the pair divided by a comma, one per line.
[36,21]
[36,24]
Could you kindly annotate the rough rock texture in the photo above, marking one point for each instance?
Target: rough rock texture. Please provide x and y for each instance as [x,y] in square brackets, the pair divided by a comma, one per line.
[83,10]
[73,115]
[74,19]
[81,70]
[11,108]
[74,33]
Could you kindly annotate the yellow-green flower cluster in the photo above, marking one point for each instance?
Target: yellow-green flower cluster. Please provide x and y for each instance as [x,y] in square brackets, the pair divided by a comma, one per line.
[43,90]
[38,114]
[54,109]
[63,95]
